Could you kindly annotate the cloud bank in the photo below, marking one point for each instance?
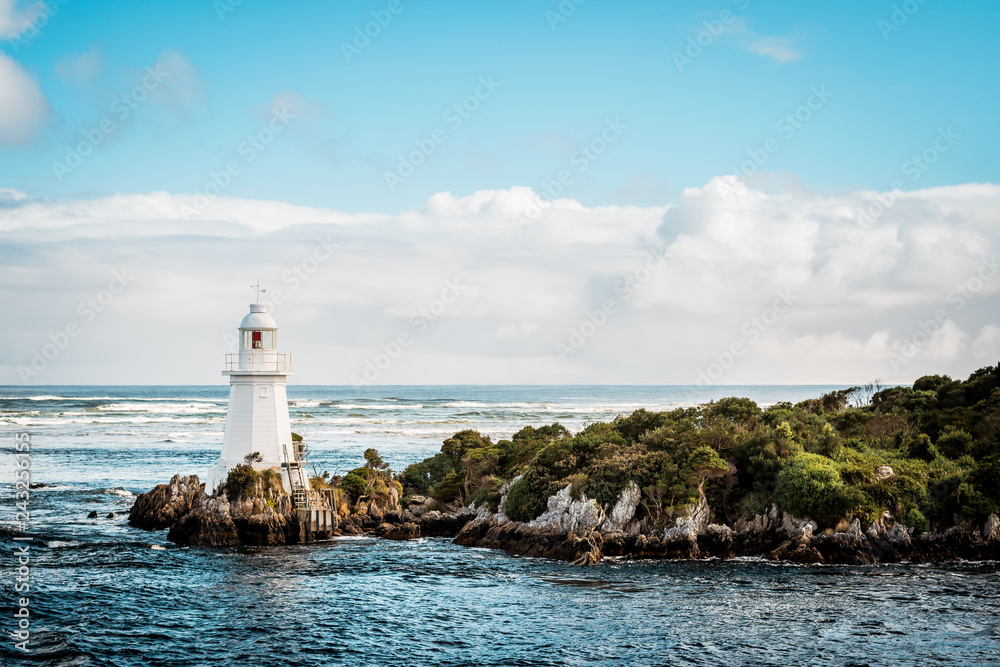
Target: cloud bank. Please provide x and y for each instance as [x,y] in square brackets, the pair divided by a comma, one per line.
[734,284]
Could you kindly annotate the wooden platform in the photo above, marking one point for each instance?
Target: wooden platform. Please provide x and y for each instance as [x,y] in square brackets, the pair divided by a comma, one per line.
[316,520]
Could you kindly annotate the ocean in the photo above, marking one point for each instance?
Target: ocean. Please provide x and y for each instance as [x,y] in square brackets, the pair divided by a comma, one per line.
[102,593]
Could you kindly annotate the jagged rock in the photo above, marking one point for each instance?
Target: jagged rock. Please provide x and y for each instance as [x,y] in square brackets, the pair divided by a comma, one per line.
[262,515]
[716,540]
[567,515]
[501,511]
[417,500]
[92,515]
[567,531]
[991,529]
[798,530]
[525,540]
[404,531]
[688,526]
[165,504]
[438,524]
[624,509]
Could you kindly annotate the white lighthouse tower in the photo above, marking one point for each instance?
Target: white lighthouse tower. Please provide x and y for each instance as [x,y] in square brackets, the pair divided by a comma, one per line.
[257,419]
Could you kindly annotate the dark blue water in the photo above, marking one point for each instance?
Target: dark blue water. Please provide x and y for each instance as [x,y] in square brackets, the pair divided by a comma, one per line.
[106,594]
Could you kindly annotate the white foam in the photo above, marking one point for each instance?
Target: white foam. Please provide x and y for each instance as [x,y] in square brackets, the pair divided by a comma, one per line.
[302,403]
[59,544]
[377,406]
[117,491]
[186,408]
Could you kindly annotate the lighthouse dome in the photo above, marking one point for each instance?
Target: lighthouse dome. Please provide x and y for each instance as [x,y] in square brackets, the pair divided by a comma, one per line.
[258,318]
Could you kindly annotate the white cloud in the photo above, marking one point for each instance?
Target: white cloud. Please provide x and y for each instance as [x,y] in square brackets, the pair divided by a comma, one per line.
[22,105]
[182,86]
[83,67]
[293,103]
[11,195]
[776,49]
[986,347]
[14,19]
[352,281]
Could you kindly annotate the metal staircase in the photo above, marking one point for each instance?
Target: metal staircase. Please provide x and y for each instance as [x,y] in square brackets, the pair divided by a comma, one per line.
[294,465]
[313,519]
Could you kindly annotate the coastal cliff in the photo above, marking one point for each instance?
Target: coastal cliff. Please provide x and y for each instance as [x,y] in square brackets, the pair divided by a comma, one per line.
[579,532]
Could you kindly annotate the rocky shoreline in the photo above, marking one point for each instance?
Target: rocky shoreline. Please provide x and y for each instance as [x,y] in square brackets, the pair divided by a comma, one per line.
[575,530]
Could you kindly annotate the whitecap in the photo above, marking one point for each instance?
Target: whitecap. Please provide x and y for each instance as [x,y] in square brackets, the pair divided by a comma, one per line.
[59,544]
[118,491]
[301,403]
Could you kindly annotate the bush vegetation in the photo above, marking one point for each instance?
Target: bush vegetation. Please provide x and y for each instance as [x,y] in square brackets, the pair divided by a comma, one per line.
[819,459]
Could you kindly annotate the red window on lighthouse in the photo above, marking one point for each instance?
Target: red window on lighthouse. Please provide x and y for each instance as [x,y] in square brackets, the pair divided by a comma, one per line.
[255,340]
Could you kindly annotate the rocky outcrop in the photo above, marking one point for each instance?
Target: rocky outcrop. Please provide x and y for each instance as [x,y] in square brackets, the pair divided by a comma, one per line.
[402,531]
[579,532]
[568,515]
[624,510]
[524,540]
[262,515]
[573,529]
[166,504]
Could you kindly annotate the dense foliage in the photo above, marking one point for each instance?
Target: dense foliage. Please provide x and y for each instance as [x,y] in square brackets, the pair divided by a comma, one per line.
[827,458]
[372,480]
[245,480]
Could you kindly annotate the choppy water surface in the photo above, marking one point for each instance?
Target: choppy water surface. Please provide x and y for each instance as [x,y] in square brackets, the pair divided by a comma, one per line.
[106,594]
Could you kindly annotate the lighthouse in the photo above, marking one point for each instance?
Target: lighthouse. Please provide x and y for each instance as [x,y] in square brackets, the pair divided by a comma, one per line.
[257,418]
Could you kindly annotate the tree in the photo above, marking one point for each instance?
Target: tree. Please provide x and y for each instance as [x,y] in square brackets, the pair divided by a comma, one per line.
[376,472]
[706,464]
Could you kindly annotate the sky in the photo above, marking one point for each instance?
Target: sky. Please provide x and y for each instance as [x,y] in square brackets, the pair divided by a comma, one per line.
[525,191]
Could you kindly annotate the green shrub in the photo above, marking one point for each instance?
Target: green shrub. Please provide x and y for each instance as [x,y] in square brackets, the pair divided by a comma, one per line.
[755,503]
[420,477]
[734,409]
[462,442]
[638,423]
[450,487]
[518,497]
[488,497]
[354,483]
[922,448]
[809,485]
[241,480]
[918,521]
[954,443]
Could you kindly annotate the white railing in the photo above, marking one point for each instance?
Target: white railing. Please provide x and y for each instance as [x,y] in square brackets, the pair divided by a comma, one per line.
[257,360]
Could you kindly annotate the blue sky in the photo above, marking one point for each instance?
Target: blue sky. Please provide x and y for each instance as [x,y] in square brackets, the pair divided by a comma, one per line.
[711,164]
[557,87]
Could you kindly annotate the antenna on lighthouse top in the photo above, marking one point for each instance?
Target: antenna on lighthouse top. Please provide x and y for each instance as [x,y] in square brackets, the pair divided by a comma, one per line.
[259,290]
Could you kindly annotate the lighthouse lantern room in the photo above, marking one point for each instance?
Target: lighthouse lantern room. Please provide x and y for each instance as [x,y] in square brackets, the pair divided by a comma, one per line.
[257,419]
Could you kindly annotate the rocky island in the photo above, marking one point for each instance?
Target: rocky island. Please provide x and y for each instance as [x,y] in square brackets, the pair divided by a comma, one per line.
[857,476]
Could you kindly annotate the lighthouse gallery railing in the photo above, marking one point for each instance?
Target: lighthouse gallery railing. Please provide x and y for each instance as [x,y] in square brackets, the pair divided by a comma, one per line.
[259,361]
